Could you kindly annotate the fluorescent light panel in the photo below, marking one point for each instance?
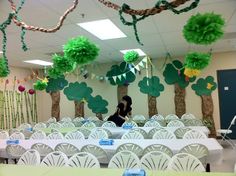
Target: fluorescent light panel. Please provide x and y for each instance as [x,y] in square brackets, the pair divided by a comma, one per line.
[39,62]
[1,52]
[103,29]
[139,51]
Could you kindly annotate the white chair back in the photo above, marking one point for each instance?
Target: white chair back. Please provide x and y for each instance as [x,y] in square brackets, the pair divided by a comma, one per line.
[157,117]
[138,117]
[4,135]
[142,131]
[83,160]
[125,160]
[164,134]
[194,134]
[55,135]
[108,124]
[52,120]
[136,149]
[158,147]
[98,134]
[43,149]
[24,126]
[85,131]
[188,116]
[175,123]
[130,123]
[38,135]
[66,119]
[56,158]
[55,125]
[30,157]
[171,117]
[153,131]
[179,132]
[15,151]
[39,126]
[132,135]
[89,125]
[152,123]
[17,135]
[74,135]
[67,148]
[67,124]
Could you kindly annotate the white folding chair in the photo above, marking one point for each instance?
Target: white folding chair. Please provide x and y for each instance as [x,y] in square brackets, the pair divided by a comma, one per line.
[83,160]
[55,125]
[67,124]
[153,131]
[158,147]
[55,135]
[74,135]
[179,132]
[89,125]
[38,135]
[15,151]
[184,162]
[124,159]
[24,126]
[138,117]
[98,134]
[152,123]
[188,116]
[66,148]
[136,149]
[66,119]
[175,123]
[132,135]
[142,131]
[85,131]
[225,132]
[30,157]
[17,135]
[43,149]
[155,160]
[108,124]
[39,126]
[56,158]
[4,135]
[52,120]
[130,123]
[163,134]
[171,117]
[194,134]
[157,117]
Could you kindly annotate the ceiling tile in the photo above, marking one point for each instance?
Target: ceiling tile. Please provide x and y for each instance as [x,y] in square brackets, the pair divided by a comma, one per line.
[173,38]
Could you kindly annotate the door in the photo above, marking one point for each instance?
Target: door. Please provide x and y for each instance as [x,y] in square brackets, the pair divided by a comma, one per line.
[227,98]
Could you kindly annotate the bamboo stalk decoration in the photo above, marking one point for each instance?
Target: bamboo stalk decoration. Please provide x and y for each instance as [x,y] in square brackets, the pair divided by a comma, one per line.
[9,110]
[26,107]
[21,108]
[17,108]
[14,103]
[11,117]
[2,114]
[30,107]
[5,108]
[35,108]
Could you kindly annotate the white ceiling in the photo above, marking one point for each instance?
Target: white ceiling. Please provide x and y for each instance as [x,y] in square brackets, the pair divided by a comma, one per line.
[160,33]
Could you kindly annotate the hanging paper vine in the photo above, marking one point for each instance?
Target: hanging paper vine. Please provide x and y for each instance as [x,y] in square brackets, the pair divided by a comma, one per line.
[158,8]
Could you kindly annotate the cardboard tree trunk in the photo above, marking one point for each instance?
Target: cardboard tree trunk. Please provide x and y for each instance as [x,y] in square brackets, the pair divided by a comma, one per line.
[79,109]
[122,90]
[55,111]
[99,116]
[180,106]
[152,105]
[207,112]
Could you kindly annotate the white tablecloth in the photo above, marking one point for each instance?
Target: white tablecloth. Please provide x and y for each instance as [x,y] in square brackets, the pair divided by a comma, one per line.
[215,149]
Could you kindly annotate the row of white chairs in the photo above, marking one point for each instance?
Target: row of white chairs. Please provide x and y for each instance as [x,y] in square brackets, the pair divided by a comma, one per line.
[155,160]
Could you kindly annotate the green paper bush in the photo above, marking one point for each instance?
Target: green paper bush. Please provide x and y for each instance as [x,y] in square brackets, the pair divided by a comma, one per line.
[80,50]
[56,84]
[131,56]
[78,91]
[200,87]
[172,76]
[62,64]
[4,71]
[40,85]
[195,60]
[151,86]
[98,105]
[54,73]
[204,28]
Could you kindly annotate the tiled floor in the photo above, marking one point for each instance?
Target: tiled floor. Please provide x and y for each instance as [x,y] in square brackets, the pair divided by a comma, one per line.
[229,159]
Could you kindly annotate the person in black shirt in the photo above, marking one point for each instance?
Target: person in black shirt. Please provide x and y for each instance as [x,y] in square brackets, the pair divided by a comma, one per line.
[123,110]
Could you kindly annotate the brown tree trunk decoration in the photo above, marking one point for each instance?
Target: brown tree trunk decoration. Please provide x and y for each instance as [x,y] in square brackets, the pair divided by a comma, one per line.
[207,112]
[79,109]
[55,111]
[99,116]
[122,90]
[180,106]
[152,106]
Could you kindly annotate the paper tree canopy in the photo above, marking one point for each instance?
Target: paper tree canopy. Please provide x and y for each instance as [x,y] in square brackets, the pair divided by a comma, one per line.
[172,75]
[151,86]
[204,86]
[78,91]
[98,105]
[56,84]
[4,71]
[116,70]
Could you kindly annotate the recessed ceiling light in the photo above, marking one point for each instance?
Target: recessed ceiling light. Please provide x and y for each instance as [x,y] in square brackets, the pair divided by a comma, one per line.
[139,51]
[39,62]
[103,29]
[1,52]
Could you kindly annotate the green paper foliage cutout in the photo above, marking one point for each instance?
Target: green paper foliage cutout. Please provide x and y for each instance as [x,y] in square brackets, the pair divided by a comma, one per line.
[204,28]
[54,73]
[118,70]
[56,84]
[195,60]
[80,50]
[62,64]
[78,91]
[131,56]
[172,75]
[151,86]
[98,105]
[204,86]
[4,71]
[40,85]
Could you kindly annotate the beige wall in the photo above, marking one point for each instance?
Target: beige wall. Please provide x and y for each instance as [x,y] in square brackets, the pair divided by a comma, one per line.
[165,103]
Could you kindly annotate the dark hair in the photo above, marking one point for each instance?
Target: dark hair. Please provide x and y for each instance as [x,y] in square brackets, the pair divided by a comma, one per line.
[127,99]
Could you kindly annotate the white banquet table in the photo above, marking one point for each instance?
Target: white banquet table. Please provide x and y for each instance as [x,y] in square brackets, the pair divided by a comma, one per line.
[215,149]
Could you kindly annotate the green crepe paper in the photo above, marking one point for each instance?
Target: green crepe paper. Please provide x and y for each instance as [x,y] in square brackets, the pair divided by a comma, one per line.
[78,91]
[131,56]
[200,87]
[204,28]
[172,75]
[80,50]
[54,73]
[56,84]
[62,64]
[151,86]
[195,60]
[97,104]
[4,72]
[40,85]
[118,70]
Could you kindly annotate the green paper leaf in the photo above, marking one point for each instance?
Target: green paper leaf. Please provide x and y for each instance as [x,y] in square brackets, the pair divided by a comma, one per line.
[201,86]
[151,86]
[56,84]
[98,105]
[4,71]
[78,91]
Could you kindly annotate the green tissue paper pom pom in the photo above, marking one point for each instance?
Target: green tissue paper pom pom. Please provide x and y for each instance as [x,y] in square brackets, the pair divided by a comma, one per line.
[40,85]
[62,64]
[204,29]
[131,56]
[80,50]
[4,71]
[197,60]
[54,73]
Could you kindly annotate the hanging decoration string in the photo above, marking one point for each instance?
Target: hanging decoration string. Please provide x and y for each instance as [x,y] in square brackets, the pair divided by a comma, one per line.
[158,8]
